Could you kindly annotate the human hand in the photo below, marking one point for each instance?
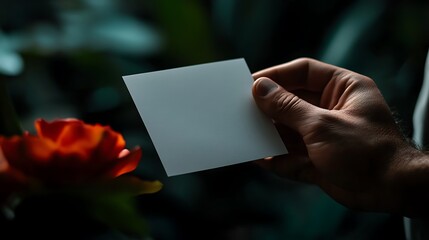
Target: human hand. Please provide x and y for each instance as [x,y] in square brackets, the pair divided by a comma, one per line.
[340,134]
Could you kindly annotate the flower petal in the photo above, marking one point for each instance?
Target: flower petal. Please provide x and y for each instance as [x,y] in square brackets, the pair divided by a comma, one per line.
[4,165]
[80,139]
[126,164]
[110,146]
[28,153]
[68,152]
[52,130]
[38,149]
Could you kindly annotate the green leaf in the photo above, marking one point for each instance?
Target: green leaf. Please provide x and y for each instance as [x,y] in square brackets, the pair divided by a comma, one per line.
[112,202]
[187,30]
[129,186]
[119,212]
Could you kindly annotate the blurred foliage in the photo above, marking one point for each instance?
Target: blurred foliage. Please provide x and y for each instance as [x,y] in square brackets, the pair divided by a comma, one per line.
[9,122]
[62,58]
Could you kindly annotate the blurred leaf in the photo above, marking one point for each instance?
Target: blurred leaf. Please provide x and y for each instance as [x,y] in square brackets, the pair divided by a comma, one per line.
[127,186]
[110,203]
[187,30]
[352,29]
[10,63]
[45,38]
[102,5]
[239,20]
[131,186]
[113,203]
[119,212]
[124,34]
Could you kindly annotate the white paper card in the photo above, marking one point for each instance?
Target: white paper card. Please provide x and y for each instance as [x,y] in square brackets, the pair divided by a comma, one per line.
[203,116]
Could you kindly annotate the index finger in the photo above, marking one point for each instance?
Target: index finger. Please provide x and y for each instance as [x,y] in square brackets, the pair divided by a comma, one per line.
[304,73]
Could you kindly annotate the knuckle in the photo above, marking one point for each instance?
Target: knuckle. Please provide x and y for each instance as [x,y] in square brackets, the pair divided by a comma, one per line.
[284,103]
[354,79]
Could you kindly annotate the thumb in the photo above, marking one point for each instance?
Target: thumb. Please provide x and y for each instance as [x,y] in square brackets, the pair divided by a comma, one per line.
[283,106]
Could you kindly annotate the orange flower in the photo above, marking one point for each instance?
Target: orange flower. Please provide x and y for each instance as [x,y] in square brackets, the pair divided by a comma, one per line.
[69,151]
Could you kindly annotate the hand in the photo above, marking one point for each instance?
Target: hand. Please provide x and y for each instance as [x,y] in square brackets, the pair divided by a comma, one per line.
[340,135]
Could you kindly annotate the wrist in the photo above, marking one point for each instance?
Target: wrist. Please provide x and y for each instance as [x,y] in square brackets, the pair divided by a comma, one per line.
[408,182]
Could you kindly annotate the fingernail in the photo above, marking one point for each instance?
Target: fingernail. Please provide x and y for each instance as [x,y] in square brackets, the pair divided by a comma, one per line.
[265,86]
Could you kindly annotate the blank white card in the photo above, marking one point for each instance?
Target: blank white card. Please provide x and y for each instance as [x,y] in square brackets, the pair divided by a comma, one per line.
[203,116]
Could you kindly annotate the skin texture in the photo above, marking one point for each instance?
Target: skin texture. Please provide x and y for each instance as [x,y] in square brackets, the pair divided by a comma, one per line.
[341,135]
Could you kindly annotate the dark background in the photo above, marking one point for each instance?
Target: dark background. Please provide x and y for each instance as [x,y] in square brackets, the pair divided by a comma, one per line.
[65,58]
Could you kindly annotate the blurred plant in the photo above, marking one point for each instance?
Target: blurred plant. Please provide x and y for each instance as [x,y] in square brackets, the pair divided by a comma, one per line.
[44,180]
[186,29]
[74,160]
